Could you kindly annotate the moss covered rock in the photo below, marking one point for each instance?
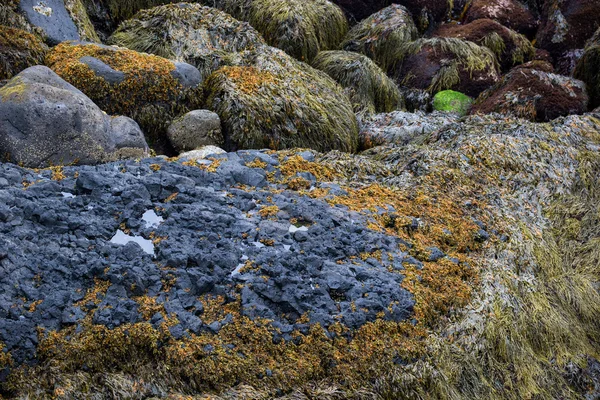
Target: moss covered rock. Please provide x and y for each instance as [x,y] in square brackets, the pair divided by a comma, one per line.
[510,13]
[369,88]
[534,95]
[379,36]
[202,36]
[510,47]
[588,69]
[451,101]
[438,64]
[19,50]
[274,101]
[150,89]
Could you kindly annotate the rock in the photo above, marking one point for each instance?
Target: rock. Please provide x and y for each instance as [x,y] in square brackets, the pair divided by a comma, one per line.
[19,50]
[278,102]
[565,27]
[451,101]
[510,13]
[369,88]
[587,70]
[46,122]
[150,89]
[427,13]
[12,18]
[357,10]
[510,47]
[379,36]
[534,95]
[127,134]
[59,19]
[438,64]
[201,153]
[400,128]
[195,129]
[201,36]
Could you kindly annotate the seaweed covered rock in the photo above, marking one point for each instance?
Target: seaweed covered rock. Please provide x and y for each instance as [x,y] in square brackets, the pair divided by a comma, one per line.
[369,88]
[588,69]
[195,129]
[565,27]
[11,17]
[60,19]
[510,47]
[428,13]
[534,95]
[202,36]
[510,13]
[451,101]
[357,10]
[150,89]
[380,35]
[47,122]
[19,50]
[438,64]
[273,101]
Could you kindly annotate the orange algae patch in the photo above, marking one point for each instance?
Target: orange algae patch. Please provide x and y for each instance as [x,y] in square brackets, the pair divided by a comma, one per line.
[248,79]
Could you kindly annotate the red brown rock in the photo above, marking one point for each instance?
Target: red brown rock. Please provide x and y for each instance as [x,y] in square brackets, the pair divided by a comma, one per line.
[510,13]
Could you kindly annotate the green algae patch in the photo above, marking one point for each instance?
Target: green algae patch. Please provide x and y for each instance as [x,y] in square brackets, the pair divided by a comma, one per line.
[19,50]
[148,92]
[451,101]
[369,88]
[79,15]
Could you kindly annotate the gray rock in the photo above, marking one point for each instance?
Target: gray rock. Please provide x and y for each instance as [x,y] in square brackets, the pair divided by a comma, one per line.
[195,129]
[52,17]
[201,153]
[187,74]
[104,70]
[46,121]
[127,134]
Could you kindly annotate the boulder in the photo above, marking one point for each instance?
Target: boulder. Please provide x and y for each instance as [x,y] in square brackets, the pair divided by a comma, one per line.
[511,48]
[46,121]
[19,50]
[510,13]
[427,13]
[588,67]
[195,129]
[357,10]
[451,101]
[438,64]
[59,19]
[273,101]
[565,27]
[369,88]
[379,36]
[202,36]
[201,153]
[534,95]
[150,89]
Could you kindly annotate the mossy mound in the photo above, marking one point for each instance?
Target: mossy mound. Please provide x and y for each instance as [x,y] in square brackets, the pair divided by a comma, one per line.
[19,50]
[273,101]
[510,13]
[451,101]
[301,28]
[369,88]
[510,47]
[534,95]
[438,64]
[588,69]
[202,36]
[144,87]
[379,36]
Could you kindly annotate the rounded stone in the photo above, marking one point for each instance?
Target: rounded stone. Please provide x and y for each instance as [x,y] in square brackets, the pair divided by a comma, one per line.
[195,129]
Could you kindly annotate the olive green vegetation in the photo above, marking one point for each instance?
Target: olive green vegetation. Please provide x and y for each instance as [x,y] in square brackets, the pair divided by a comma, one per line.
[149,93]
[369,88]
[10,17]
[79,15]
[380,35]
[202,36]
[19,50]
[121,10]
[301,28]
[466,56]
[451,101]
[273,101]
[587,70]
[522,51]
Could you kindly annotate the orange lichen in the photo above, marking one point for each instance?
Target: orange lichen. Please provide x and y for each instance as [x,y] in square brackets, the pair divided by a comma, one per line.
[248,79]
[268,211]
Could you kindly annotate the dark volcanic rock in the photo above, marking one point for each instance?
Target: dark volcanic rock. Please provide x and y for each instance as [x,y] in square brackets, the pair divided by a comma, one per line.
[510,13]
[55,241]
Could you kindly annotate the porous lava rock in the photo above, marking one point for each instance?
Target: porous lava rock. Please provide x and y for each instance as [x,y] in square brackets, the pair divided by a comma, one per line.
[273,101]
[47,122]
[510,13]
[19,50]
[510,47]
[534,95]
[438,64]
[150,89]
[369,88]
[380,35]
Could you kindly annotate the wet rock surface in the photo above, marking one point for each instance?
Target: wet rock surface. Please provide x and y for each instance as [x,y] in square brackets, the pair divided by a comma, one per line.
[214,238]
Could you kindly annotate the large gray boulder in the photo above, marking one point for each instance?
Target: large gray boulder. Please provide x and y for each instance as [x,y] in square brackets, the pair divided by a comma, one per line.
[46,121]
[195,129]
